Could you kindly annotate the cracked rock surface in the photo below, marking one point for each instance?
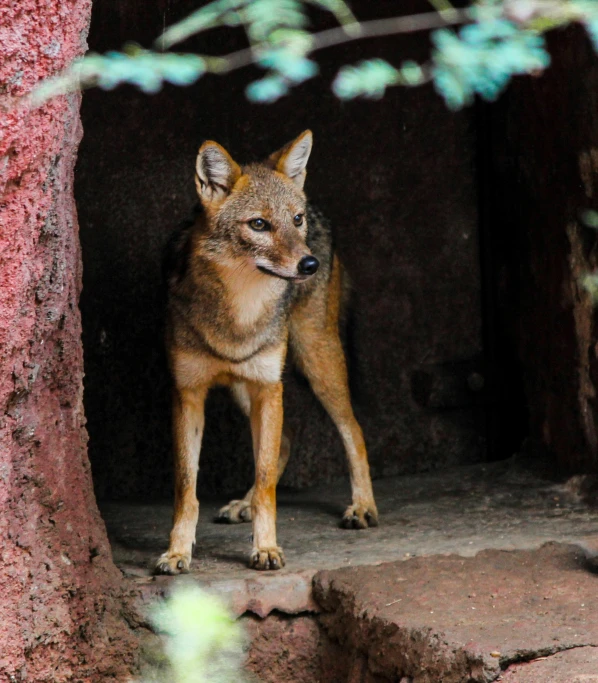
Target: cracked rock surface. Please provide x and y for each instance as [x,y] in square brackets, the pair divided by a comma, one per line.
[467,619]
[571,666]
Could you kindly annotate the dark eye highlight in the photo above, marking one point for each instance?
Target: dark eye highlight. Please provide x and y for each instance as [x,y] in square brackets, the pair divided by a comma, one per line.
[298,219]
[259,224]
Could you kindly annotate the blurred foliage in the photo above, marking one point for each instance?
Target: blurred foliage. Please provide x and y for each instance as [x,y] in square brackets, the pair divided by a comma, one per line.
[202,643]
[146,70]
[589,281]
[370,79]
[589,218]
[493,40]
[482,58]
[476,51]
[261,17]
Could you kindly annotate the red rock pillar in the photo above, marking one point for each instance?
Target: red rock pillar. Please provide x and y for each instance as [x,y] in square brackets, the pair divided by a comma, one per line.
[59,590]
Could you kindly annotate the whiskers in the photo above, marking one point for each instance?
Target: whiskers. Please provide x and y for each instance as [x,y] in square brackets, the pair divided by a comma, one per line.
[244,269]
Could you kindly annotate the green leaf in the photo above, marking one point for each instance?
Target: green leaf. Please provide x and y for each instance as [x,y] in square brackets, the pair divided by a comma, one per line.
[182,69]
[263,17]
[293,39]
[202,642]
[51,87]
[589,282]
[287,63]
[482,58]
[267,89]
[204,18]
[369,79]
[589,218]
[592,30]
[455,93]
[147,70]
[412,73]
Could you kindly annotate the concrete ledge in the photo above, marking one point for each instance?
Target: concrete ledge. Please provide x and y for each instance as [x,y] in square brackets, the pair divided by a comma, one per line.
[455,619]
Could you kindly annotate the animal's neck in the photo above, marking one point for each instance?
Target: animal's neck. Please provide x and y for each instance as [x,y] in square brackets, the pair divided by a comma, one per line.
[250,293]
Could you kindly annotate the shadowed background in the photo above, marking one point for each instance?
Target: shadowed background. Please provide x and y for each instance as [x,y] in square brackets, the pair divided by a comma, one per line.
[396,178]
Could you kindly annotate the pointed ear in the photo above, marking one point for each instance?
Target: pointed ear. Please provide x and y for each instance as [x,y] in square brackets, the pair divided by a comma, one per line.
[292,158]
[215,172]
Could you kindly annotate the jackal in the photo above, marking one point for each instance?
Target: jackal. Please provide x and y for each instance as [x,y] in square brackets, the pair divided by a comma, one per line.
[254,275]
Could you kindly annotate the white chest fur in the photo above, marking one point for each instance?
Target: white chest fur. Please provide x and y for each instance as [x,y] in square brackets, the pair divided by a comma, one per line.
[250,292]
[197,369]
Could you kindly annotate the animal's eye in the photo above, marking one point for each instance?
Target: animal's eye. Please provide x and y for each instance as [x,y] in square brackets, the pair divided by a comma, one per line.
[298,219]
[259,224]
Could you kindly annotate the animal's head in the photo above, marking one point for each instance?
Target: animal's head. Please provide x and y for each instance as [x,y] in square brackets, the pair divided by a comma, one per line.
[256,213]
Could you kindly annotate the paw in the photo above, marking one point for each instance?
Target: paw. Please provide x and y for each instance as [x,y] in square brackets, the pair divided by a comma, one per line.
[360,517]
[235,512]
[267,558]
[173,563]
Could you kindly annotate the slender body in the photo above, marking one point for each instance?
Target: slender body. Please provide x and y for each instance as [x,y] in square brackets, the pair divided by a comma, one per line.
[253,277]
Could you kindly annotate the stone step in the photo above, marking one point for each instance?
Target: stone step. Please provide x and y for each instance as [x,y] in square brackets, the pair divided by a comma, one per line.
[451,619]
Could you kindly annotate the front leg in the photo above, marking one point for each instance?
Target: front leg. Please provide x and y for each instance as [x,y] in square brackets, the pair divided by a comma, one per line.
[188,423]
[266,426]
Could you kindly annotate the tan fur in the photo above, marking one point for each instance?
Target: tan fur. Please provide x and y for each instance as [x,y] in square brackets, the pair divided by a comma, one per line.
[238,298]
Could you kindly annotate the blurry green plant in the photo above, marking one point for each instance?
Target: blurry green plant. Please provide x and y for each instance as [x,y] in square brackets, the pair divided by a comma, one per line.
[201,642]
[482,58]
[494,41]
[589,280]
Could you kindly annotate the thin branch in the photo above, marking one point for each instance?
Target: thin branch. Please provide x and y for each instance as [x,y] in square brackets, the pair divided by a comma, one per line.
[241,58]
[367,29]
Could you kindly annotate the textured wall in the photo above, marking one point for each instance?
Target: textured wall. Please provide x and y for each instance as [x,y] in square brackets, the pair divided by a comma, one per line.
[546,163]
[397,179]
[58,612]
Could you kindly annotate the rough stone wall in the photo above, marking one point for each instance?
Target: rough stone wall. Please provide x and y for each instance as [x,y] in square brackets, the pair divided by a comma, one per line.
[546,151]
[59,613]
[397,179]
[297,648]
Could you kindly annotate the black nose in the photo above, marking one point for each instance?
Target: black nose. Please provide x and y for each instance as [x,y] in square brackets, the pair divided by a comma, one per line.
[308,265]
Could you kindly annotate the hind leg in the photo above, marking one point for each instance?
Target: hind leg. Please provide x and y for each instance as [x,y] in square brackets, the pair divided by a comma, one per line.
[237,511]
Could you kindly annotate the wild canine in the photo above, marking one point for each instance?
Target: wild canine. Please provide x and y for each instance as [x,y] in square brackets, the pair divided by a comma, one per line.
[255,274]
